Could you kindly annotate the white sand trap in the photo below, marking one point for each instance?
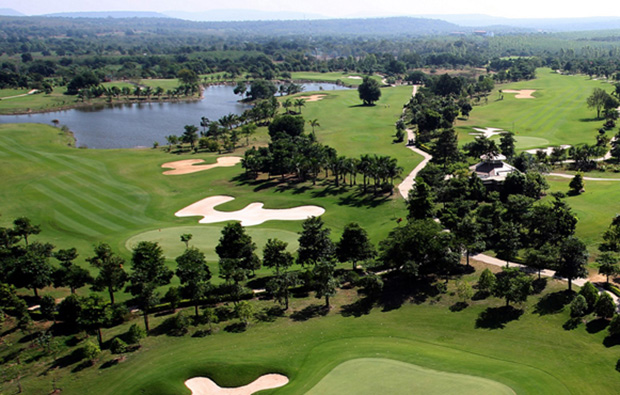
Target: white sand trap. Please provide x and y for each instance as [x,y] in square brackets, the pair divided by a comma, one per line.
[522,94]
[252,214]
[205,386]
[355,77]
[188,166]
[312,97]
[547,150]
[487,132]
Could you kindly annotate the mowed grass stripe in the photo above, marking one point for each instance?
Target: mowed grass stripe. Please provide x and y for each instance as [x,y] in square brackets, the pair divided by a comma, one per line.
[72,226]
[102,176]
[71,206]
[92,199]
[16,149]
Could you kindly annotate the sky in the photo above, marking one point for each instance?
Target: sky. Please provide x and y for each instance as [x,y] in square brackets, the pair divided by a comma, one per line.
[335,8]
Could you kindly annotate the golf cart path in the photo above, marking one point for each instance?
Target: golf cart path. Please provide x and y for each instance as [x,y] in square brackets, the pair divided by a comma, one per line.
[408,183]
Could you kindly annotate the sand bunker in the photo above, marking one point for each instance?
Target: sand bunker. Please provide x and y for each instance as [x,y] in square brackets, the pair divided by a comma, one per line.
[355,77]
[487,132]
[205,386]
[188,166]
[522,94]
[547,150]
[312,97]
[252,214]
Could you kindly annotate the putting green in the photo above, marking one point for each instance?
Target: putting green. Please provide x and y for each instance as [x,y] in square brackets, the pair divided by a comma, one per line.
[388,376]
[206,238]
[528,142]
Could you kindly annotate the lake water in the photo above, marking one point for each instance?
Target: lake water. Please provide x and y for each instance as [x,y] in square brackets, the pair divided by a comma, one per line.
[140,124]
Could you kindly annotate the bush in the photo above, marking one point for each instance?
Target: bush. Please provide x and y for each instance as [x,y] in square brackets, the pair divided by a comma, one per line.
[578,307]
[177,325]
[605,306]
[135,334]
[614,326]
[90,351]
[119,313]
[590,293]
[118,346]
[486,281]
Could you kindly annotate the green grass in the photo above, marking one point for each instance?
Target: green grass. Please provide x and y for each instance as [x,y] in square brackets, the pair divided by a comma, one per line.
[166,84]
[37,102]
[530,355]
[383,376]
[81,197]
[558,115]
[12,92]
[330,77]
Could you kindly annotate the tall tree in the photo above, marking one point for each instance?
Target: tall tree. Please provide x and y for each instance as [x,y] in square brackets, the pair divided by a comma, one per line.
[276,257]
[573,260]
[369,91]
[507,144]
[33,269]
[512,285]
[23,228]
[194,273]
[314,242]
[354,245]
[597,100]
[237,257]
[148,272]
[69,274]
[420,201]
[324,281]
[112,276]
[608,264]
[94,314]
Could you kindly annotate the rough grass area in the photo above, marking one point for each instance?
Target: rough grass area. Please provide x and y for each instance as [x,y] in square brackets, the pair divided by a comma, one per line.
[386,376]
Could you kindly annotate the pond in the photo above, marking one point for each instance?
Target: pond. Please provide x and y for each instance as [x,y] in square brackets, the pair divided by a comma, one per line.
[140,124]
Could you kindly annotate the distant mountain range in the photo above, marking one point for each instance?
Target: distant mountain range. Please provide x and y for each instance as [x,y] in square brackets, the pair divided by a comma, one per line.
[440,23]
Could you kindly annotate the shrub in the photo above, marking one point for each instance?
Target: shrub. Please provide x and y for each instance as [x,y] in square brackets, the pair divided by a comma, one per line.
[90,351]
[119,313]
[614,326]
[605,306]
[590,293]
[486,281]
[578,307]
[118,346]
[177,325]
[135,334]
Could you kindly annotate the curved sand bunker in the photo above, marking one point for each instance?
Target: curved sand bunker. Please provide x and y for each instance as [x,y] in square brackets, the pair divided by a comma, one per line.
[312,97]
[355,77]
[252,214]
[522,94]
[188,166]
[205,386]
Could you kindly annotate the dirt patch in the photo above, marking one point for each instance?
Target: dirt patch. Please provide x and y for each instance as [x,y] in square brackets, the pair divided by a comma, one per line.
[522,94]
[205,386]
[188,166]
[252,214]
[312,97]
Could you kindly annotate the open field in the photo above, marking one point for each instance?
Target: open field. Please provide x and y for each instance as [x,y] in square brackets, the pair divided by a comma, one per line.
[557,115]
[37,102]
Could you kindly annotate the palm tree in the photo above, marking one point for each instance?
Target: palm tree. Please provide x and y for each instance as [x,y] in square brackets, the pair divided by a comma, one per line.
[314,123]
[299,103]
[286,104]
[363,167]
[393,171]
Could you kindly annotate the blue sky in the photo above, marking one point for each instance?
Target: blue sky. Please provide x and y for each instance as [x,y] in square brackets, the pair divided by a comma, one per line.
[335,8]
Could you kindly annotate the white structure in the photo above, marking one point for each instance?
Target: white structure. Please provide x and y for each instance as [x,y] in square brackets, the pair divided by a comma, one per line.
[492,169]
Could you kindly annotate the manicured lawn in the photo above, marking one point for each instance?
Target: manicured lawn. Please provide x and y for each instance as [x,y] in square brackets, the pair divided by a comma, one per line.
[557,115]
[37,102]
[331,77]
[376,376]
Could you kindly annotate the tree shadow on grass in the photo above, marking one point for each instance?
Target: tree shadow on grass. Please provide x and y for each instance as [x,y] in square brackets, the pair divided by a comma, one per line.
[314,310]
[497,317]
[611,341]
[358,308]
[362,200]
[597,325]
[398,290]
[270,314]
[571,324]
[458,306]
[237,327]
[553,303]
[68,360]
